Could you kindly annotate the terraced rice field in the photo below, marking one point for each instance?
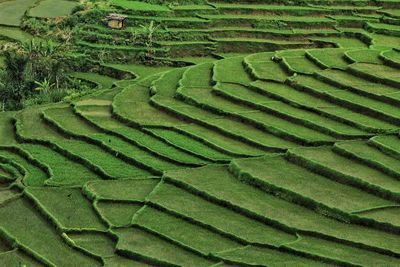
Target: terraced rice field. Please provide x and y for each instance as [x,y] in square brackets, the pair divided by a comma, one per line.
[277,143]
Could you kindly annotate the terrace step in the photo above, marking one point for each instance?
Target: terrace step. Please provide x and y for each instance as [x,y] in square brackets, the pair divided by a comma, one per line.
[35,173]
[296,96]
[257,45]
[369,156]
[389,145]
[321,193]
[101,117]
[391,58]
[217,184]
[345,170]
[243,229]
[134,241]
[274,21]
[363,55]
[310,119]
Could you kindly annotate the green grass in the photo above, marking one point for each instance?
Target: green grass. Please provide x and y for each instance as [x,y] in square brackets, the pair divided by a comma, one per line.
[66,118]
[4,172]
[392,56]
[96,243]
[298,133]
[141,71]
[102,82]
[220,140]
[30,228]
[33,127]
[381,72]
[203,97]
[217,184]
[138,242]
[388,144]
[382,109]
[191,235]
[295,97]
[139,155]
[121,48]
[261,7]
[346,167]
[6,195]
[287,19]
[267,69]
[258,134]
[383,27]
[276,172]
[328,58]
[123,262]
[34,176]
[197,76]
[167,84]
[265,120]
[189,144]
[64,171]
[14,33]
[231,70]
[178,201]
[102,98]
[364,56]
[234,127]
[371,156]
[117,214]
[132,105]
[16,257]
[341,42]
[121,190]
[102,117]
[385,41]
[61,204]
[263,102]
[53,9]
[139,6]
[344,79]
[7,129]
[259,256]
[300,64]
[329,107]
[342,252]
[385,214]
[11,12]
[7,172]
[108,162]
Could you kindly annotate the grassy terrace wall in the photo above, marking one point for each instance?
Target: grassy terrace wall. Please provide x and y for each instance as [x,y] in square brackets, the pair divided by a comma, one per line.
[268,135]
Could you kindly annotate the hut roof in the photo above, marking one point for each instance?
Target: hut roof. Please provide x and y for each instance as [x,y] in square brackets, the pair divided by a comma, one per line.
[114,16]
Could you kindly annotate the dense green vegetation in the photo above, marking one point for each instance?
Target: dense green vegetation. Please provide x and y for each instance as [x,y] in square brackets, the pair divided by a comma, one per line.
[220,133]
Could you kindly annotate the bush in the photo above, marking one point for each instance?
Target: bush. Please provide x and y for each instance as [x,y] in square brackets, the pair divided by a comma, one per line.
[35,73]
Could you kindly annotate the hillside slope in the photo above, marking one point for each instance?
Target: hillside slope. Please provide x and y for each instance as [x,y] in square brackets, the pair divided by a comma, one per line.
[249,154]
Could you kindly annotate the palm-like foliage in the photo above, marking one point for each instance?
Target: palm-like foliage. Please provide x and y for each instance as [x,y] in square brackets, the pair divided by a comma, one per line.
[149,32]
[44,86]
[13,79]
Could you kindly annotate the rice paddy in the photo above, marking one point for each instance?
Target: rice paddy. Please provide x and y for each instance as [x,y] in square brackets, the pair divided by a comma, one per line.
[262,134]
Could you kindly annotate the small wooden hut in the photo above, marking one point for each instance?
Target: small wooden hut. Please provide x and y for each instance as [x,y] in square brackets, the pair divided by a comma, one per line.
[115,21]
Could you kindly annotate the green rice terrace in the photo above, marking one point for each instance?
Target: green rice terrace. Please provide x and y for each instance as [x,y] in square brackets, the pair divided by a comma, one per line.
[195,133]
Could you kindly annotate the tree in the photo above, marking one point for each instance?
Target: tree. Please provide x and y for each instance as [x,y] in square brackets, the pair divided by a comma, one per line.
[149,32]
[32,70]
[44,86]
[2,94]
[13,87]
